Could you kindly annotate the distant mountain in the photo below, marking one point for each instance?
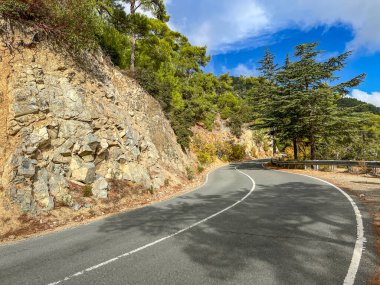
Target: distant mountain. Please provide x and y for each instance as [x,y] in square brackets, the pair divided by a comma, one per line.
[358,106]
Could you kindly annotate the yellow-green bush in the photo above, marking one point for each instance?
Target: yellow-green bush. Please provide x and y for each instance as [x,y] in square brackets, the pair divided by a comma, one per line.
[237,152]
[208,151]
[205,151]
[204,158]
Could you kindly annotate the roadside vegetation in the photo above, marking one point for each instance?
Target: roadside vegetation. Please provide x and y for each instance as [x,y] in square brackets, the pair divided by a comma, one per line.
[298,103]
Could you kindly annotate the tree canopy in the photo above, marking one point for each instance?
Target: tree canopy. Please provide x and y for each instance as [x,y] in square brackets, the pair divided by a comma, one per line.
[300,103]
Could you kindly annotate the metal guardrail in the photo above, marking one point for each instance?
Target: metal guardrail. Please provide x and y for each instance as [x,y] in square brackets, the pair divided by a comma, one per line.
[328,162]
[374,165]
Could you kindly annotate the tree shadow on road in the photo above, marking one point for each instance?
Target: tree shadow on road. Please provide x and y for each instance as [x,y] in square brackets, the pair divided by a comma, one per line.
[292,233]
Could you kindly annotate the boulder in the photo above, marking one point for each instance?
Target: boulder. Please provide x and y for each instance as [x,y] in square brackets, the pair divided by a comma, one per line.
[66,148]
[41,190]
[27,167]
[26,199]
[88,158]
[22,109]
[25,101]
[36,140]
[103,145]
[114,153]
[100,188]
[71,129]
[92,141]
[65,102]
[31,143]
[43,135]
[135,151]
[13,127]
[158,181]
[85,150]
[59,159]
[132,137]
[85,174]
[82,171]
[58,186]
[136,173]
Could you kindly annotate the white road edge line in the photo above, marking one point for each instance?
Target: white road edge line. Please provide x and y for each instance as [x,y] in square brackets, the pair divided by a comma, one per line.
[360,240]
[164,238]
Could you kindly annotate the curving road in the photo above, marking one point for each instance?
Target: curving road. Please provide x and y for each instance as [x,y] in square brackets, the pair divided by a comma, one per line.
[244,226]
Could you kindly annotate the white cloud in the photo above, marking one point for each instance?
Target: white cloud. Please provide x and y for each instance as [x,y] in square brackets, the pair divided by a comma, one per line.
[242,69]
[222,25]
[218,24]
[373,98]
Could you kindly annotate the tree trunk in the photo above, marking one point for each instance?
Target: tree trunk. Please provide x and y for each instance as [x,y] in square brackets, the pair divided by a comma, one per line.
[295,149]
[274,146]
[133,53]
[133,39]
[312,148]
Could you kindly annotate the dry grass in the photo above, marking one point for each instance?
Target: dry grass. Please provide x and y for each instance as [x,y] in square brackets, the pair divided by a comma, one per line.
[8,216]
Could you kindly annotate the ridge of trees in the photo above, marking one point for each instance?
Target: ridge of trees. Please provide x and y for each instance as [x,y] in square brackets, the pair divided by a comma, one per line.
[296,103]
[358,106]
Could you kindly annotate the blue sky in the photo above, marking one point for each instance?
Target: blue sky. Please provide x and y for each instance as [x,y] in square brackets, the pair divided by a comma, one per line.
[238,32]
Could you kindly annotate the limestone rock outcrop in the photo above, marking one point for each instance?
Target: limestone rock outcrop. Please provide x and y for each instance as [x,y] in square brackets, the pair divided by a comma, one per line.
[67,123]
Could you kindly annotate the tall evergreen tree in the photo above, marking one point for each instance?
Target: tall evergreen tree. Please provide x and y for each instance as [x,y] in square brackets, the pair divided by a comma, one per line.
[268,70]
[156,7]
[286,103]
[310,101]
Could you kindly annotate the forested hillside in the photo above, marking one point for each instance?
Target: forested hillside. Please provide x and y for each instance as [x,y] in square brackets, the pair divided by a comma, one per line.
[297,102]
[358,106]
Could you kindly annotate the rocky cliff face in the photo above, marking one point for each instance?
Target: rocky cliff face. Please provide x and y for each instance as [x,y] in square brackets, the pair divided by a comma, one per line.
[61,123]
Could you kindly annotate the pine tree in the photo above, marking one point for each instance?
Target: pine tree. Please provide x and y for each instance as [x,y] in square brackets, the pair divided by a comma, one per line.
[268,70]
[156,7]
[309,102]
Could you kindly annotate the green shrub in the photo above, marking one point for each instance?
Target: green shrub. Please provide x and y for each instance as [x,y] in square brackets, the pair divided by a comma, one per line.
[13,9]
[87,191]
[204,158]
[266,146]
[189,173]
[235,124]
[70,22]
[205,151]
[200,168]
[116,45]
[237,152]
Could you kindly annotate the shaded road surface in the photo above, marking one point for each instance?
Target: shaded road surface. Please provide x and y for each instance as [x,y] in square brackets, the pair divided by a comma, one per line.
[290,230]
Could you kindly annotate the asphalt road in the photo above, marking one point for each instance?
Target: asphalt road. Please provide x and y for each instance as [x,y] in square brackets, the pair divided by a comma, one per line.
[284,229]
